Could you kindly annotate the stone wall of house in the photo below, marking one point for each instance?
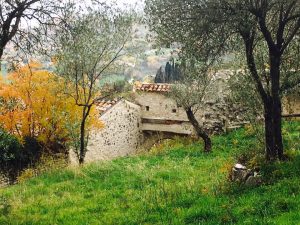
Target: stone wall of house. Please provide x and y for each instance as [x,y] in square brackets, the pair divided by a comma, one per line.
[156,105]
[215,116]
[161,113]
[121,135]
[181,128]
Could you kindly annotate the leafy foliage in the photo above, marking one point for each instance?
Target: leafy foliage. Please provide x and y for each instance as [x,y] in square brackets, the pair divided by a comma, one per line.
[87,49]
[35,108]
[10,153]
[266,33]
[196,85]
[33,105]
[45,120]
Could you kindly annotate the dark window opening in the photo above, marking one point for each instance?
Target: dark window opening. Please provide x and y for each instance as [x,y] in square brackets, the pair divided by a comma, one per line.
[174,110]
[147,108]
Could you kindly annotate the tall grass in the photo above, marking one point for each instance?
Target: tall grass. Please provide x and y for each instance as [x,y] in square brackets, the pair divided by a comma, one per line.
[175,183]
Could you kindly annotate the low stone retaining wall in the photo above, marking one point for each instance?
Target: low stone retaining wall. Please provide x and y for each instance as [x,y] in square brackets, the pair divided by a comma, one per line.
[220,116]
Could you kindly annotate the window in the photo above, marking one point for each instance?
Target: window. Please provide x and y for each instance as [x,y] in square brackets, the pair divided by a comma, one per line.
[147,108]
[174,110]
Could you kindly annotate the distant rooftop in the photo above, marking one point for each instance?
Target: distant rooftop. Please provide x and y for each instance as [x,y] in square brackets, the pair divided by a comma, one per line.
[153,87]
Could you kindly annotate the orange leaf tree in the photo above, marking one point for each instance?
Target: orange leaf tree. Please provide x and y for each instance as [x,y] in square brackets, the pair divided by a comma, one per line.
[33,104]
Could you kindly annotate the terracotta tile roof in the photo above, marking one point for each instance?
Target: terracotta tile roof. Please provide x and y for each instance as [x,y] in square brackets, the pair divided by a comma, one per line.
[104,104]
[153,87]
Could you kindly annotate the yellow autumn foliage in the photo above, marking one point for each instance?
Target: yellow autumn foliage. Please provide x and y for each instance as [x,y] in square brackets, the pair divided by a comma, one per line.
[33,103]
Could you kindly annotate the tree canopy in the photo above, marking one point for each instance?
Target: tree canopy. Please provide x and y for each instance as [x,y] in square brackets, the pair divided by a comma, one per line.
[22,20]
[264,32]
[87,48]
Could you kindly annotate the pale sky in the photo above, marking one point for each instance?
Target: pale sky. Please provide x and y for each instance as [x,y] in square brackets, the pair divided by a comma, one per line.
[122,2]
[139,3]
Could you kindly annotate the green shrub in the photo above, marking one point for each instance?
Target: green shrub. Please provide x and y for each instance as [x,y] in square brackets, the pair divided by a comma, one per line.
[20,159]
[31,152]
[16,156]
[10,147]
[10,154]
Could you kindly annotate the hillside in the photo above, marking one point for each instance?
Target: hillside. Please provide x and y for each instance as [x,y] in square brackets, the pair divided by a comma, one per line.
[175,183]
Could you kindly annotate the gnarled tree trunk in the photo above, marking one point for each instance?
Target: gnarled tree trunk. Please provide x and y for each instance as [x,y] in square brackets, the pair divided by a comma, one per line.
[269,131]
[199,130]
[275,59]
[273,134]
[85,113]
[270,98]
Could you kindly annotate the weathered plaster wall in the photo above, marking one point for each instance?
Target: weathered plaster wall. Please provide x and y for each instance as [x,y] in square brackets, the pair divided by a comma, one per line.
[215,116]
[182,128]
[160,106]
[120,137]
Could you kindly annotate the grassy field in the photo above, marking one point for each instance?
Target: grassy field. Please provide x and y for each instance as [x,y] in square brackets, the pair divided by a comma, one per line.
[175,183]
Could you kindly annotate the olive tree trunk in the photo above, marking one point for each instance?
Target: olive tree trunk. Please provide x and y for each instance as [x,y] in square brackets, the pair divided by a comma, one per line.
[270,98]
[85,113]
[199,130]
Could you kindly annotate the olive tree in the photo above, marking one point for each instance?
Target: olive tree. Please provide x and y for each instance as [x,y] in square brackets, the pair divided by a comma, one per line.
[191,93]
[264,31]
[88,47]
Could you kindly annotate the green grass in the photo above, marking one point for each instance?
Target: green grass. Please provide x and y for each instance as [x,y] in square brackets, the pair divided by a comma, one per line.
[173,184]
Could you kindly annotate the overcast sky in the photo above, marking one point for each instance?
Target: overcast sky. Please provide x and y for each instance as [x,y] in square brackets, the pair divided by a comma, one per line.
[130,1]
[139,3]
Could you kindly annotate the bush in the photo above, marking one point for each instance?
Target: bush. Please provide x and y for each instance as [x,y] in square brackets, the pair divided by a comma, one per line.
[10,154]
[16,156]
[10,147]
[32,151]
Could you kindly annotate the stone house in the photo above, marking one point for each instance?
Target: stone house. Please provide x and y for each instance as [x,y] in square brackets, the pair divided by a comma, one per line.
[128,124]
[159,113]
[121,134]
